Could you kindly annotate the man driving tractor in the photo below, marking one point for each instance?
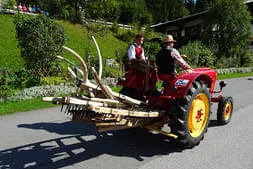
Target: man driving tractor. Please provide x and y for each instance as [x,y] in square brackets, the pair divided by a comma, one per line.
[166,58]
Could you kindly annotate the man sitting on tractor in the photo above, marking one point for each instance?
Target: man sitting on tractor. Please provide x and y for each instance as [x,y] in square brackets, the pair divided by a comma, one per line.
[166,58]
[136,58]
[139,78]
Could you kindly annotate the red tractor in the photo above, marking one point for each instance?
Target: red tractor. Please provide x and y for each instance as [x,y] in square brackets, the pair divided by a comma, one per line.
[183,103]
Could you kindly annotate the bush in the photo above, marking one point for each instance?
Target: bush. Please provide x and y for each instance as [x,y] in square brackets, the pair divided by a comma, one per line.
[151,49]
[247,59]
[40,40]
[226,62]
[115,28]
[22,79]
[5,92]
[127,36]
[198,54]
[114,72]
[52,80]
[5,88]
[97,28]
[9,4]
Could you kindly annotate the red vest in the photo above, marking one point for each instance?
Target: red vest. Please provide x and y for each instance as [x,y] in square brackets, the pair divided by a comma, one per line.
[138,52]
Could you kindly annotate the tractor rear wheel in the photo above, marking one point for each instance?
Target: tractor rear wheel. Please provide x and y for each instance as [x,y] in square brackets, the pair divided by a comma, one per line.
[191,115]
[225,109]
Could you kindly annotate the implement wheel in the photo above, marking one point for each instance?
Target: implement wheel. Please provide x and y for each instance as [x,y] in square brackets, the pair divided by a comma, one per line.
[191,115]
[225,109]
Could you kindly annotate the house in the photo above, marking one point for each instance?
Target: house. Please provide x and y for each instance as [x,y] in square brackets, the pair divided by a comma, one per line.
[188,28]
[183,29]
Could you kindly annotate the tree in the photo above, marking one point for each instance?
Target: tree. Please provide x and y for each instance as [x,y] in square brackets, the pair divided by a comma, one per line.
[141,13]
[111,10]
[164,10]
[101,9]
[203,5]
[190,5]
[126,12]
[228,28]
[135,12]
[8,4]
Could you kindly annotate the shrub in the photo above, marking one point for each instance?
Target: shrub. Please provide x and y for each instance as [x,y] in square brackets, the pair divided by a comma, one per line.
[9,4]
[5,91]
[227,62]
[198,54]
[151,49]
[247,59]
[5,88]
[52,80]
[127,36]
[114,72]
[40,40]
[115,28]
[22,79]
[97,28]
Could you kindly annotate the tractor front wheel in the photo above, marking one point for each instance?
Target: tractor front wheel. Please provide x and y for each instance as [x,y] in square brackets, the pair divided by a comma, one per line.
[225,109]
[191,115]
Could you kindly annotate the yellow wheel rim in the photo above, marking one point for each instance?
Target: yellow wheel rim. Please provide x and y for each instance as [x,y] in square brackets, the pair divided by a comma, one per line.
[227,110]
[198,115]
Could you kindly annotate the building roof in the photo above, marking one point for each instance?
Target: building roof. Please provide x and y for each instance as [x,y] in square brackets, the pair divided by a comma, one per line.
[185,18]
[248,1]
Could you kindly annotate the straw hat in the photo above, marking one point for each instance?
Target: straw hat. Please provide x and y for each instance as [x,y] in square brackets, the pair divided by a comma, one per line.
[168,38]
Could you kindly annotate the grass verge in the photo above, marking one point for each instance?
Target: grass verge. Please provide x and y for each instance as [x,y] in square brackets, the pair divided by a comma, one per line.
[27,105]
[12,107]
[22,106]
[234,75]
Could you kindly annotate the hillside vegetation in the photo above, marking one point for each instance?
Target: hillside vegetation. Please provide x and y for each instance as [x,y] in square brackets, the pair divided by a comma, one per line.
[76,38]
[9,51]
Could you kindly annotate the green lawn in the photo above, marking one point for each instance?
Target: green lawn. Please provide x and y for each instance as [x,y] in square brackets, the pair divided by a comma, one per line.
[77,39]
[234,75]
[9,51]
[22,106]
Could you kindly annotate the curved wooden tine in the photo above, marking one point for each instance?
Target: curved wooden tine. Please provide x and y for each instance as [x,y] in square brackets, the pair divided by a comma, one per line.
[99,57]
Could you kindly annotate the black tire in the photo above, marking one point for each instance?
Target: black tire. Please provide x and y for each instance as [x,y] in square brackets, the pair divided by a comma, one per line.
[224,111]
[187,116]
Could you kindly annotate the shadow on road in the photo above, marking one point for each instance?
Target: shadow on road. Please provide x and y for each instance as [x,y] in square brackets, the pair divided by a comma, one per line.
[84,143]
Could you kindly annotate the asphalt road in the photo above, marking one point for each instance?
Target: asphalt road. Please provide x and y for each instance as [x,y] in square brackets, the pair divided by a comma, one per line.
[48,139]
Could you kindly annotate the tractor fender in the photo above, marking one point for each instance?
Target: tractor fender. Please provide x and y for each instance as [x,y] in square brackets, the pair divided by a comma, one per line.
[181,84]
